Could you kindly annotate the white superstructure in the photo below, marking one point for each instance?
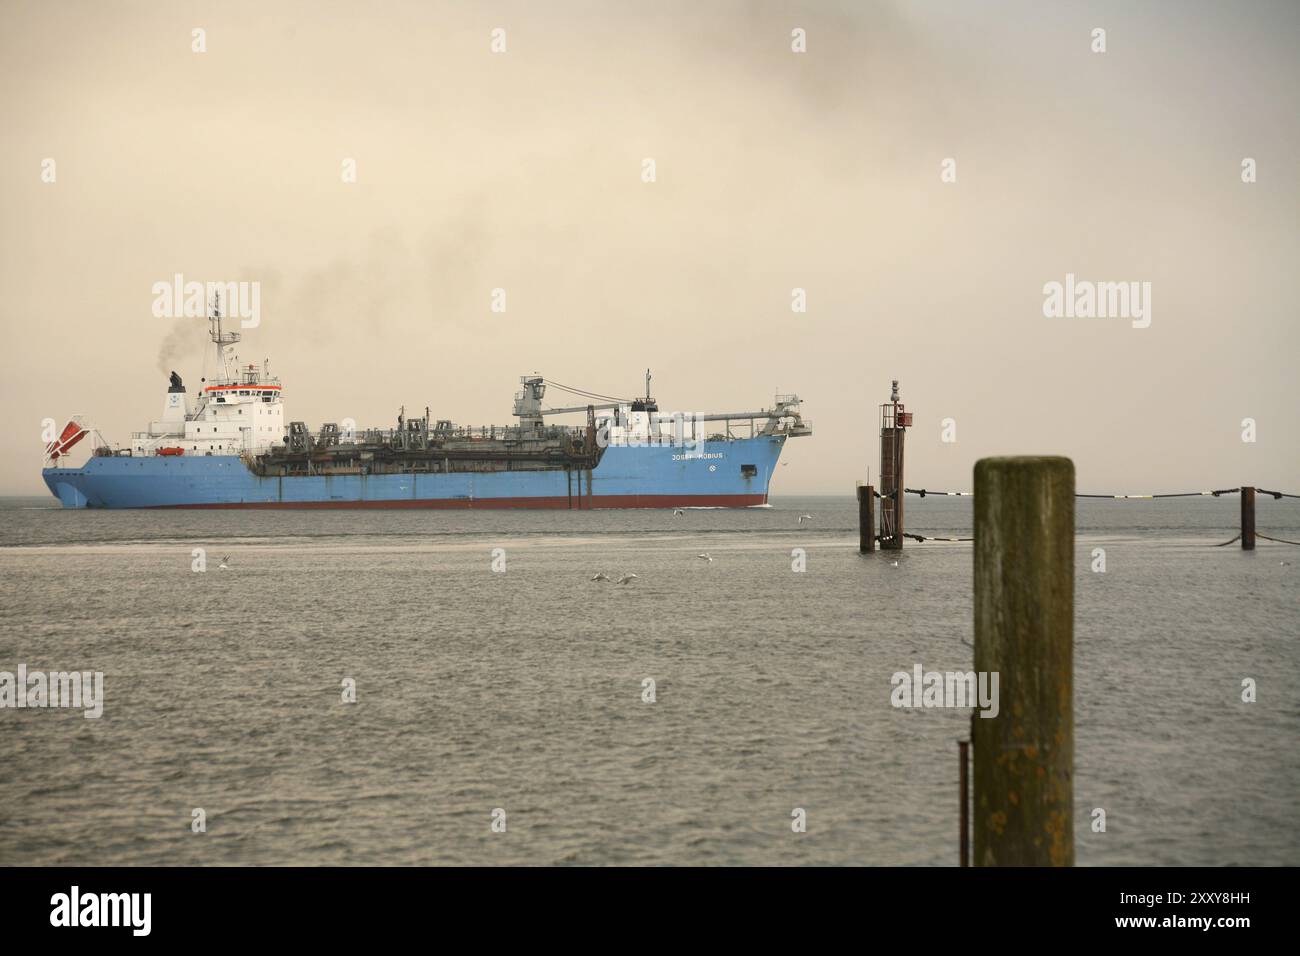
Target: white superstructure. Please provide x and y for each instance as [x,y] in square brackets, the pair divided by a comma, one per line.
[237,412]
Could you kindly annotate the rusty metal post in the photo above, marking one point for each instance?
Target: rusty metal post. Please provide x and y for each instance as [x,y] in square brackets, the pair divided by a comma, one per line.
[1024,633]
[963,755]
[894,422]
[1247,519]
[866,518]
[891,489]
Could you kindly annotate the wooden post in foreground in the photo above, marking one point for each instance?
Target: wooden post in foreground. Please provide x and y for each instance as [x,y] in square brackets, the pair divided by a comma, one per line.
[963,788]
[1247,519]
[1024,632]
[866,518]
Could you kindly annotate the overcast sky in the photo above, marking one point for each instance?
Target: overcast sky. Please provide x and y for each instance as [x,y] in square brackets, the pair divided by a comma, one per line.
[774,170]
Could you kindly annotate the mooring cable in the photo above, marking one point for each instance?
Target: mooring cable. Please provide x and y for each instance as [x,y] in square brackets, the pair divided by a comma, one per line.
[1278,540]
[922,537]
[1176,494]
[923,492]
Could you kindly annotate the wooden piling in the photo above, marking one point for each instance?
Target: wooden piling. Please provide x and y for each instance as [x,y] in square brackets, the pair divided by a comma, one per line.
[1024,632]
[1247,519]
[866,518]
[963,787]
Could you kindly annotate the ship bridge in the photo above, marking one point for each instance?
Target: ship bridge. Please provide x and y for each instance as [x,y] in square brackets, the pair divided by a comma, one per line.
[238,412]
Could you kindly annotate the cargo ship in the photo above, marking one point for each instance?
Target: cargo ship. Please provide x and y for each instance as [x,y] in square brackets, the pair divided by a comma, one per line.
[228,447]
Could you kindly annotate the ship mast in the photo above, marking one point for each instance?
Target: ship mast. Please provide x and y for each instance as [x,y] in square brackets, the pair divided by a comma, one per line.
[220,340]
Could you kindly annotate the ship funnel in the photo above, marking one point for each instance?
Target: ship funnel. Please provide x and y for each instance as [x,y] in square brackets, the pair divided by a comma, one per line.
[176,404]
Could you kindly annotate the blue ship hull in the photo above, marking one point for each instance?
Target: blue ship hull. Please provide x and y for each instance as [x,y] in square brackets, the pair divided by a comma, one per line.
[656,476]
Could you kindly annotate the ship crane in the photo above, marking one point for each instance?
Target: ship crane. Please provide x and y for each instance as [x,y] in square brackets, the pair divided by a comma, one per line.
[581,408]
[783,417]
[783,409]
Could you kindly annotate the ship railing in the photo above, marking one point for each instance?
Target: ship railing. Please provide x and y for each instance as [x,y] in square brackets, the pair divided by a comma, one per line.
[461,433]
[395,438]
[242,378]
[665,441]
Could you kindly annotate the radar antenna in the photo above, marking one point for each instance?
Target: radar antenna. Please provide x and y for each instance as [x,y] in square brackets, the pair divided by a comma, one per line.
[220,340]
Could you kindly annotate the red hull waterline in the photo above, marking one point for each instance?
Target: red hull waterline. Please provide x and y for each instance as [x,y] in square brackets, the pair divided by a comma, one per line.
[553,503]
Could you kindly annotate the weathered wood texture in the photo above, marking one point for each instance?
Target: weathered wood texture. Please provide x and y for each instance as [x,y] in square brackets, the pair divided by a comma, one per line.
[866,518]
[1024,631]
[1247,519]
[963,790]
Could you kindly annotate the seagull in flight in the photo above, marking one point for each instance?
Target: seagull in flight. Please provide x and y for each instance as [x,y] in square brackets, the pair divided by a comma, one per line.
[626,579]
[893,564]
[223,566]
[705,557]
[678,512]
[601,576]
[803,518]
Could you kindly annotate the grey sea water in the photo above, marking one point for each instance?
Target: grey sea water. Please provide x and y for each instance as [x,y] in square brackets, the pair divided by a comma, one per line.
[522,690]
